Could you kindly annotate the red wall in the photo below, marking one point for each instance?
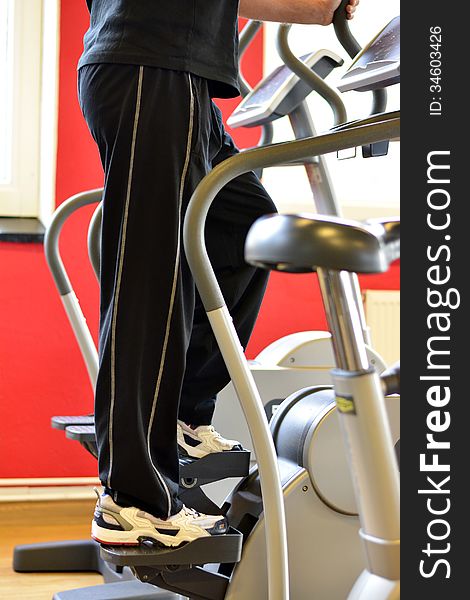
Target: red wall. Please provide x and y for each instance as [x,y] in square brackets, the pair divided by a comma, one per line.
[41,370]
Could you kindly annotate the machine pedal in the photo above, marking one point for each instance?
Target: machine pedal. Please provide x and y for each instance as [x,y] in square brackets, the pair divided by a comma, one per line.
[81,433]
[212,549]
[196,472]
[64,422]
[214,467]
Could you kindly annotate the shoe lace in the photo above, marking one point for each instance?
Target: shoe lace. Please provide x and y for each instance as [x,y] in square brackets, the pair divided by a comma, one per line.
[190,512]
[211,429]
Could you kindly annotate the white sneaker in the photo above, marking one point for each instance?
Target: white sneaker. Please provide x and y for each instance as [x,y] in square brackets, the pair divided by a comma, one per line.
[114,525]
[202,440]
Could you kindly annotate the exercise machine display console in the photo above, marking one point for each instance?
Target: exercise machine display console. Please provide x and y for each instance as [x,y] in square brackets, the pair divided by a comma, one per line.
[281,92]
[378,64]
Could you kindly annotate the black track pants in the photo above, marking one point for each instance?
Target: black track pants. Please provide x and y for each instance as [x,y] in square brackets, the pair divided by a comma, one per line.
[158,134]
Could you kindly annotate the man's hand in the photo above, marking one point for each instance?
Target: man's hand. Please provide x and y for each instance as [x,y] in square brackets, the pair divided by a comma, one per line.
[319,12]
[330,7]
[350,8]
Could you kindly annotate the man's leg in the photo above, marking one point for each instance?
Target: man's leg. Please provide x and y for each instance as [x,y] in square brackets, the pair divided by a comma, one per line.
[143,120]
[236,207]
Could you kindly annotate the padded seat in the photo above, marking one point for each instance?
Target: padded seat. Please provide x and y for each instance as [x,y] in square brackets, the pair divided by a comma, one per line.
[301,243]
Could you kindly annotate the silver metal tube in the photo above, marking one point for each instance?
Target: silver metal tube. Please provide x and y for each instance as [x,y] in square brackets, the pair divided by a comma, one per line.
[82,335]
[332,318]
[369,120]
[312,79]
[246,36]
[61,279]
[316,168]
[370,449]
[267,134]
[365,426]
[302,124]
[94,240]
[379,101]
[252,405]
[338,295]
[51,239]
[360,308]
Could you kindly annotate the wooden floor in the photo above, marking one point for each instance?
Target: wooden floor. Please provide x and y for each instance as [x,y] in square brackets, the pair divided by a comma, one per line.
[29,522]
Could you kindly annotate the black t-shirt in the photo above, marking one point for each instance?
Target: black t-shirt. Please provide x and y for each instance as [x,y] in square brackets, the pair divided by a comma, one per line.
[197,36]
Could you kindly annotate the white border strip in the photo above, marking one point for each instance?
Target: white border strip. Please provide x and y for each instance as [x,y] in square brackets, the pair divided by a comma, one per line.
[49,109]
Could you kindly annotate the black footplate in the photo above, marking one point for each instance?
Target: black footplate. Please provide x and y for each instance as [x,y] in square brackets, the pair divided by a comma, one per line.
[194,472]
[209,468]
[80,433]
[212,549]
[179,570]
[80,428]
[64,422]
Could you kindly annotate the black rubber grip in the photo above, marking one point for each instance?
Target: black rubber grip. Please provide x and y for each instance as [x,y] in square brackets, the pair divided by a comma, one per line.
[343,32]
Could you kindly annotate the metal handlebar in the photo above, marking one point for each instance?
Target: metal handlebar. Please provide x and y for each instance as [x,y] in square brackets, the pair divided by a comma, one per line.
[352,47]
[51,239]
[343,31]
[61,279]
[246,37]
[312,79]
[94,239]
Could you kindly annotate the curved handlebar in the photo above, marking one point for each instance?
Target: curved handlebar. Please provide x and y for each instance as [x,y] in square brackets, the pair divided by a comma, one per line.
[51,239]
[343,32]
[312,79]
[247,34]
[246,37]
[62,281]
[352,47]
[94,239]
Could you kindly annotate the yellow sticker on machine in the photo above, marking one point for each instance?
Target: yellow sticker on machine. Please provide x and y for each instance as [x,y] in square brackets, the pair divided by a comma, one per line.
[345,404]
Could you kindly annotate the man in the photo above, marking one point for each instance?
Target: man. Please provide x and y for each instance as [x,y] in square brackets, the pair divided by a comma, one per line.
[147,77]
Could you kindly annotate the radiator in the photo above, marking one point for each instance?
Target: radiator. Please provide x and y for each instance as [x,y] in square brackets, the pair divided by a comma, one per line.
[383,318]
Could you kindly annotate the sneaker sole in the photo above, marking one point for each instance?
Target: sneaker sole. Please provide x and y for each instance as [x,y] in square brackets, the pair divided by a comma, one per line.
[137,537]
[185,451]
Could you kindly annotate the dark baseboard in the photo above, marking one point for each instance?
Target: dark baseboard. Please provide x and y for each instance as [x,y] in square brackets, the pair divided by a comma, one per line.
[22,230]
